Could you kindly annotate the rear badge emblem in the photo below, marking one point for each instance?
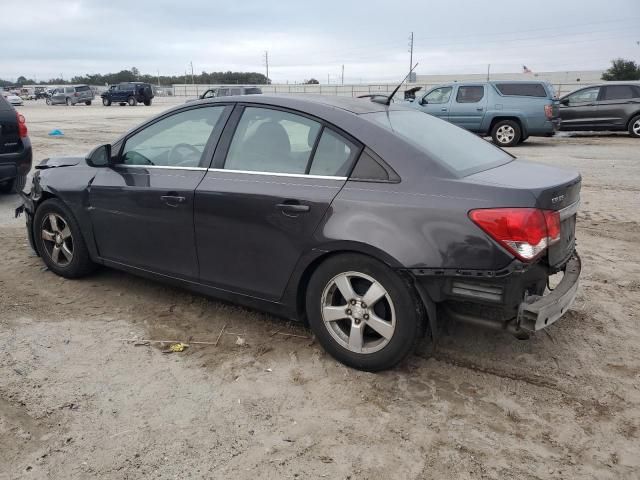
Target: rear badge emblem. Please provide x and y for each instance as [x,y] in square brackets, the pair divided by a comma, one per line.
[557,199]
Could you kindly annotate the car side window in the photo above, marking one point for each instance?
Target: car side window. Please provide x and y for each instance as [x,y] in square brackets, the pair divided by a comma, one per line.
[68,90]
[235,91]
[470,94]
[222,92]
[209,94]
[439,95]
[618,92]
[268,140]
[333,156]
[583,96]
[175,141]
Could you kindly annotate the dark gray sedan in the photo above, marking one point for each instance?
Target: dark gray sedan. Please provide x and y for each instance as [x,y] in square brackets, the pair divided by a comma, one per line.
[373,223]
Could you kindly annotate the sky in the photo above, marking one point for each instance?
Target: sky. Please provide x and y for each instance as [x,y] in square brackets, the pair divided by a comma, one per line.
[43,39]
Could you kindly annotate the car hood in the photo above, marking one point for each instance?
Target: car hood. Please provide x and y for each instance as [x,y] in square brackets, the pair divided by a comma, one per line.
[55,162]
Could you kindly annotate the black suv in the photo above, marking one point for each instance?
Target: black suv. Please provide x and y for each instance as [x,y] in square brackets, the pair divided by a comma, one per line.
[610,106]
[15,149]
[130,92]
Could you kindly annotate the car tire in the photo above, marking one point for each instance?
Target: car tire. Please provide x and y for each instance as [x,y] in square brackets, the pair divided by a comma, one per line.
[147,103]
[132,101]
[87,103]
[106,102]
[72,258]
[634,126]
[366,337]
[68,102]
[506,133]
[48,101]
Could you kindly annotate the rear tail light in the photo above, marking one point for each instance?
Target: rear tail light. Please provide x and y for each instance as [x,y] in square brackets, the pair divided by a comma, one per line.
[22,125]
[548,111]
[525,232]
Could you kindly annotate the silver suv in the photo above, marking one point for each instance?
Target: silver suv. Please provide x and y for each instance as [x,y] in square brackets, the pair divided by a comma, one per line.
[71,95]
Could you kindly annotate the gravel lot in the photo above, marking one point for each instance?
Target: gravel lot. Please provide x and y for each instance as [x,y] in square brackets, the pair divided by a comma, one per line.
[78,402]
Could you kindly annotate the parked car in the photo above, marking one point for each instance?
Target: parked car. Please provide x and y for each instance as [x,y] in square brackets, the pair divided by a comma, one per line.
[15,149]
[71,95]
[610,106]
[13,99]
[366,220]
[508,111]
[228,91]
[128,93]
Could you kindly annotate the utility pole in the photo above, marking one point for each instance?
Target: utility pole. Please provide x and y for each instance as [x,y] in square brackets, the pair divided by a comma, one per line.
[410,55]
[488,71]
[342,77]
[193,81]
[158,77]
[266,63]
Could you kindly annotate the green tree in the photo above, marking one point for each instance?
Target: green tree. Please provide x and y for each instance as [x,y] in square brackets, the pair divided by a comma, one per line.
[622,69]
[311,81]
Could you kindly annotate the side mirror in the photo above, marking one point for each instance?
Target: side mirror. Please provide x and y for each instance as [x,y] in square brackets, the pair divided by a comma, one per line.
[565,102]
[100,156]
[423,101]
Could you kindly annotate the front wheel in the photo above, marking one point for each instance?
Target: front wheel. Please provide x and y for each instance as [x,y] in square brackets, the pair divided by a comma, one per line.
[88,102]
[132,101]
[69,102]
[59,240]
[363,313]
[106,102]
[634,126]
[48,101]
[147,103]
[506,133]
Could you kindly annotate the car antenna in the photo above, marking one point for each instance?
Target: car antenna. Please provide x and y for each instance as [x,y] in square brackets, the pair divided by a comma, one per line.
[387,100]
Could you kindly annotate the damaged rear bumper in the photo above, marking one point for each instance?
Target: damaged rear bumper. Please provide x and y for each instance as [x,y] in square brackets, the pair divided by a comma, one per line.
[28,208]
[538,312]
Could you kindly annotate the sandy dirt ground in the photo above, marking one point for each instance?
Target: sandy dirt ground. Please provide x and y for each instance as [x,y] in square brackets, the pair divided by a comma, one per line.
[78,402]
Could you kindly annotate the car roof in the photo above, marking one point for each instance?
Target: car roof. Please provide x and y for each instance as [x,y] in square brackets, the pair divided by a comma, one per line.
[310,103]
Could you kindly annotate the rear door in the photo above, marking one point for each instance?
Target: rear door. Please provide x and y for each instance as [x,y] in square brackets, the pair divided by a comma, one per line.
[469,106]
[276,173]
[142,207]
[615,105]
[437,102]
[578,110]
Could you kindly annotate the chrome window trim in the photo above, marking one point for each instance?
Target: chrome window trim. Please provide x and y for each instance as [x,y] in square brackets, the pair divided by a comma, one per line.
[277,174]
[160,166]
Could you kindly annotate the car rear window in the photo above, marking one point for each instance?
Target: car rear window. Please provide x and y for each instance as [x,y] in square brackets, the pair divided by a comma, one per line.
[522,89]
[82,88]
[619,92]
[461,151]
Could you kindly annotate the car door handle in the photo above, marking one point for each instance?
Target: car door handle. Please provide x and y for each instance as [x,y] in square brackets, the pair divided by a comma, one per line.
[292,209]
[172,200]
[443,109]
[480,109]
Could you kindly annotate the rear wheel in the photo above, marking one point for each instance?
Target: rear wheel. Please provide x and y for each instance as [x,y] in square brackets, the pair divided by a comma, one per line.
[132,101]
[634,126]
[362,312]
[106,102]
[59,241]
[506,133]
[147,102]
[88,102]
[68,102]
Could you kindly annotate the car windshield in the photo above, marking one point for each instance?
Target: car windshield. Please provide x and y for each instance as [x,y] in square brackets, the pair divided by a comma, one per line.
[461,151]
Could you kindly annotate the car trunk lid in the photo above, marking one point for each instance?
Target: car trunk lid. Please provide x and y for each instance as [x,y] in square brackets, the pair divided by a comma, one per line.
[552,188]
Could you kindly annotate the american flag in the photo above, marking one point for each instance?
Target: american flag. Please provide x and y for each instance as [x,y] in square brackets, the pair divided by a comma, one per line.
[525,69]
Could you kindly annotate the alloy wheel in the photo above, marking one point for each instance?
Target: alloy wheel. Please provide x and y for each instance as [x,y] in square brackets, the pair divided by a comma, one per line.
[505,134]
[636,127]
[57,239]
[358,312]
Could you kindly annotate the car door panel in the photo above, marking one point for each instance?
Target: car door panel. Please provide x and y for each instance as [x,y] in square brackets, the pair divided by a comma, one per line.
[467,111]
[613,105]
[248,240]
[582,112]
[142,214]
[436,102]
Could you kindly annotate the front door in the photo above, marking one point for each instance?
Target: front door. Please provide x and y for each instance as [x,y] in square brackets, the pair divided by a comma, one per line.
[142,206]
[436,102]
[255,214]
[579,111]
[468,107]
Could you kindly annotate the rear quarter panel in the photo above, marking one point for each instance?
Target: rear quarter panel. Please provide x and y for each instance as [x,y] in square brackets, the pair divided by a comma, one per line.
[528,110]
